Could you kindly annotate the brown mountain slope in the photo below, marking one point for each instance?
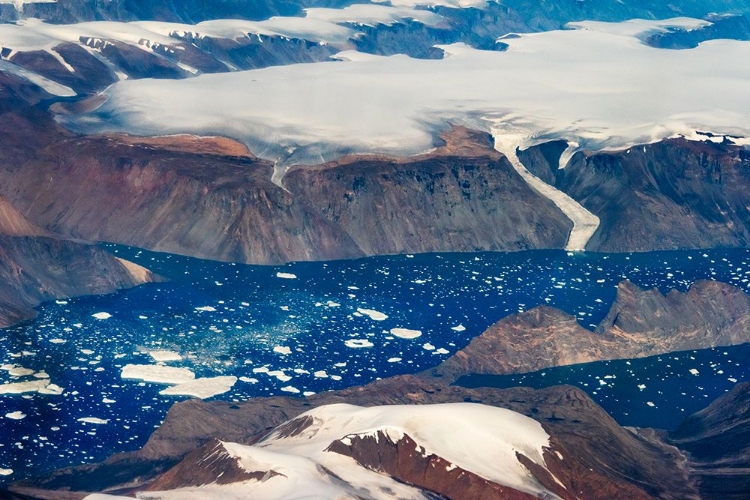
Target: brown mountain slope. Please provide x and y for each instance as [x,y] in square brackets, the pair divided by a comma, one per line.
[640,323]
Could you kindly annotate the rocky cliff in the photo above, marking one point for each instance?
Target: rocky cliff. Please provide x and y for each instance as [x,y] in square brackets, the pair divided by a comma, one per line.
[717,440]
[153,194]
[670,194]
[36,269]
[640,323]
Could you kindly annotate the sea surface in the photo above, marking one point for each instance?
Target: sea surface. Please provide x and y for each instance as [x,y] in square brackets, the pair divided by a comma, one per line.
[307,327]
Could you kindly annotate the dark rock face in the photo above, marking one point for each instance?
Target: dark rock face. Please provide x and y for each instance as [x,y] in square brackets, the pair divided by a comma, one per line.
[640,323]
[464,197]
[35,269]
[671,194]
[458,200]
[600,459]
[717,440]
[89,75]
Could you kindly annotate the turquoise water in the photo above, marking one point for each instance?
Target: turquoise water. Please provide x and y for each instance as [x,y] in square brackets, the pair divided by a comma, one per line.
[299,328]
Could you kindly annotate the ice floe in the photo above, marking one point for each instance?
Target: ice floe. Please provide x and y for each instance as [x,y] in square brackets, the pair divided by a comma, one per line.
[158,374]
[406,333]
[202,387]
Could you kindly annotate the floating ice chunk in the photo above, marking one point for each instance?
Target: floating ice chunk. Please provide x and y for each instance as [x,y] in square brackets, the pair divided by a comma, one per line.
[60,302]
[406,333]
[286,276]
[249,380]
[358,343]
[394,360]
[6,472]
[459,328]
[16,415]
[52,389]
[650,403]
[202,387]
[291,389]
[282,349]
[641,386]
[41,374]
[107,401]
[335,377]
[441,351]
[331,303]
[58,341]
[93,420]
[320,374]
[17,371]
[157,373]
[307,394]
[22,387]
[260,369]
[732,379]
[694,371]
[87,352]
[102,315]
[164,356]
[206,309]
[279,374]
[427,346]
[373,314]
[301,371]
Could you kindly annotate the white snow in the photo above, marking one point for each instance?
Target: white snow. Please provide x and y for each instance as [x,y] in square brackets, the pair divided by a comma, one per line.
[559,84]
[202,387]
[158,374]
[164,355]
[373,314]
[102,315]
[288,276]
[16,415]
[475,437]
[406,333]
[18,4]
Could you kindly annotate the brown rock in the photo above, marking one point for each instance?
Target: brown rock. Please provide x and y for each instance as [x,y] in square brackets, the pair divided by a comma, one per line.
[36,269]
[640,323]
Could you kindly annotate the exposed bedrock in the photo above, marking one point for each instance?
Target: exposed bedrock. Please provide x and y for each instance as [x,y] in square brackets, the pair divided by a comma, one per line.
[640,323]
[462,197]
[670,194]
[35,269]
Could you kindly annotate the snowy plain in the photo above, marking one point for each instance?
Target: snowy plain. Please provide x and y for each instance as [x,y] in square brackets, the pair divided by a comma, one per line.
[597,86]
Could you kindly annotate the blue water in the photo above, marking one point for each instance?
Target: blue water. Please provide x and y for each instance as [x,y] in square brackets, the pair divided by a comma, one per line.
[226,319]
